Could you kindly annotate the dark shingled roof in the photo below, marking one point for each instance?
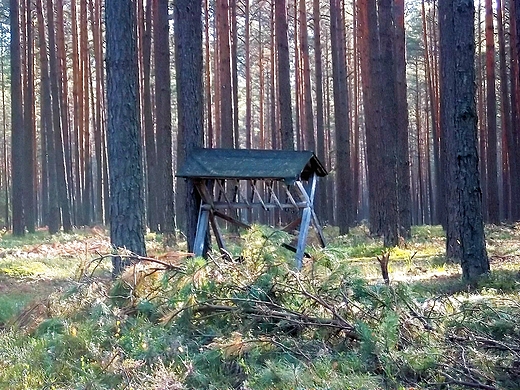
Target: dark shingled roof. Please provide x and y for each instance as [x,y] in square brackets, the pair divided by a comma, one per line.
[251,164]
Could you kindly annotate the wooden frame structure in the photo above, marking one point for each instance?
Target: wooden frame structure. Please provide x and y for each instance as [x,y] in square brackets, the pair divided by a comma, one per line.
[233,179]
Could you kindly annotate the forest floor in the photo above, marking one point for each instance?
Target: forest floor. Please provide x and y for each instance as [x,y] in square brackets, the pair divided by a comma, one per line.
[176,322]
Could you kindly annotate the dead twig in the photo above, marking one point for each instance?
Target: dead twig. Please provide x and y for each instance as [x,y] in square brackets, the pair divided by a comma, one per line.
[136,258]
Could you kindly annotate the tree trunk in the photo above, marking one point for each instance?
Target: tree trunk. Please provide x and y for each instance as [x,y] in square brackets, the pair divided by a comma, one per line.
[163,122]
[226,103]
[149,132]
[330,204]
[127,223]
[76,195]
[481,112]
[284,77]
[341,119]
[389,206]
[321,195]
[261,89]
[356,135]
[49,157]
[234,70]
[99,123]
[515,109]
[298,108]
[207,86]
[403,158]
[17,129]
[29,158]
[85,156]
[421,204]
[430,50]
[190,101]
[63,196]
[5,159]
[510,157]
[274,109]
[493,210]
[465,240]
[64,98]
[370,73]
[310,141]
[247,43]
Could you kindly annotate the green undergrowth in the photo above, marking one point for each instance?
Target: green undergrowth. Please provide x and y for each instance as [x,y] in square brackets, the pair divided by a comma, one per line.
[256,323]
[8,241]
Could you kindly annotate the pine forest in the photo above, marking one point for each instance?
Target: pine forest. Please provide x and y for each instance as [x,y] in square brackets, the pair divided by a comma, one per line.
[324,87]
[113,271]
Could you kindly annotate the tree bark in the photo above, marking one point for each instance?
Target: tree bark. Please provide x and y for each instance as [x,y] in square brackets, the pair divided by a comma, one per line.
[510,157]
[17,129]
[515,101]
[481,112]
[234,71]
[127,223]
[465,240]
[321,194]
[5,158]
[208,79]
[99,123]
[341,119]
[371,74]
[76,194]
[226,96]
[29,158]
[84,62]
[63,196]
[310,139]
[404,197]
[163,120]
[493,210]
[284,77]
[52,219]
[64,99]
[190,101]
[389,206]
[247,43]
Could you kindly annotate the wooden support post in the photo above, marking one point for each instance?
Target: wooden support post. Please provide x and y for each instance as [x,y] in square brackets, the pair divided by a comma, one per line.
[217,233]
[258,195]
[202,228]
[309,198]
[302,237]
[290,197]
[273,195]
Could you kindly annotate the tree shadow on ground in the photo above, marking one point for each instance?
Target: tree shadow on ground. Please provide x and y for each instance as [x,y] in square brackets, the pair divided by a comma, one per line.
[502,281]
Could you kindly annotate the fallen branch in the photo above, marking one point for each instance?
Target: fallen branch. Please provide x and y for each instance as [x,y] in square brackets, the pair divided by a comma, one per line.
[473,385]
[320,301]
[488,343]
[301,320]
[136,258]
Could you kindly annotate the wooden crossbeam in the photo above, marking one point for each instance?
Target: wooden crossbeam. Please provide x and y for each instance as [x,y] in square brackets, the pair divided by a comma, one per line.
[258,195]
[265,206]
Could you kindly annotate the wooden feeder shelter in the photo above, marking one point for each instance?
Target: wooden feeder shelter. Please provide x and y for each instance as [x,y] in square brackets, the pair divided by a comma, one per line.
[251,179]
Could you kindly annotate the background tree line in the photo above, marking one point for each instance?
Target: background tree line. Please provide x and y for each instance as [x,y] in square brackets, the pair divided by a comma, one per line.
[358,82]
